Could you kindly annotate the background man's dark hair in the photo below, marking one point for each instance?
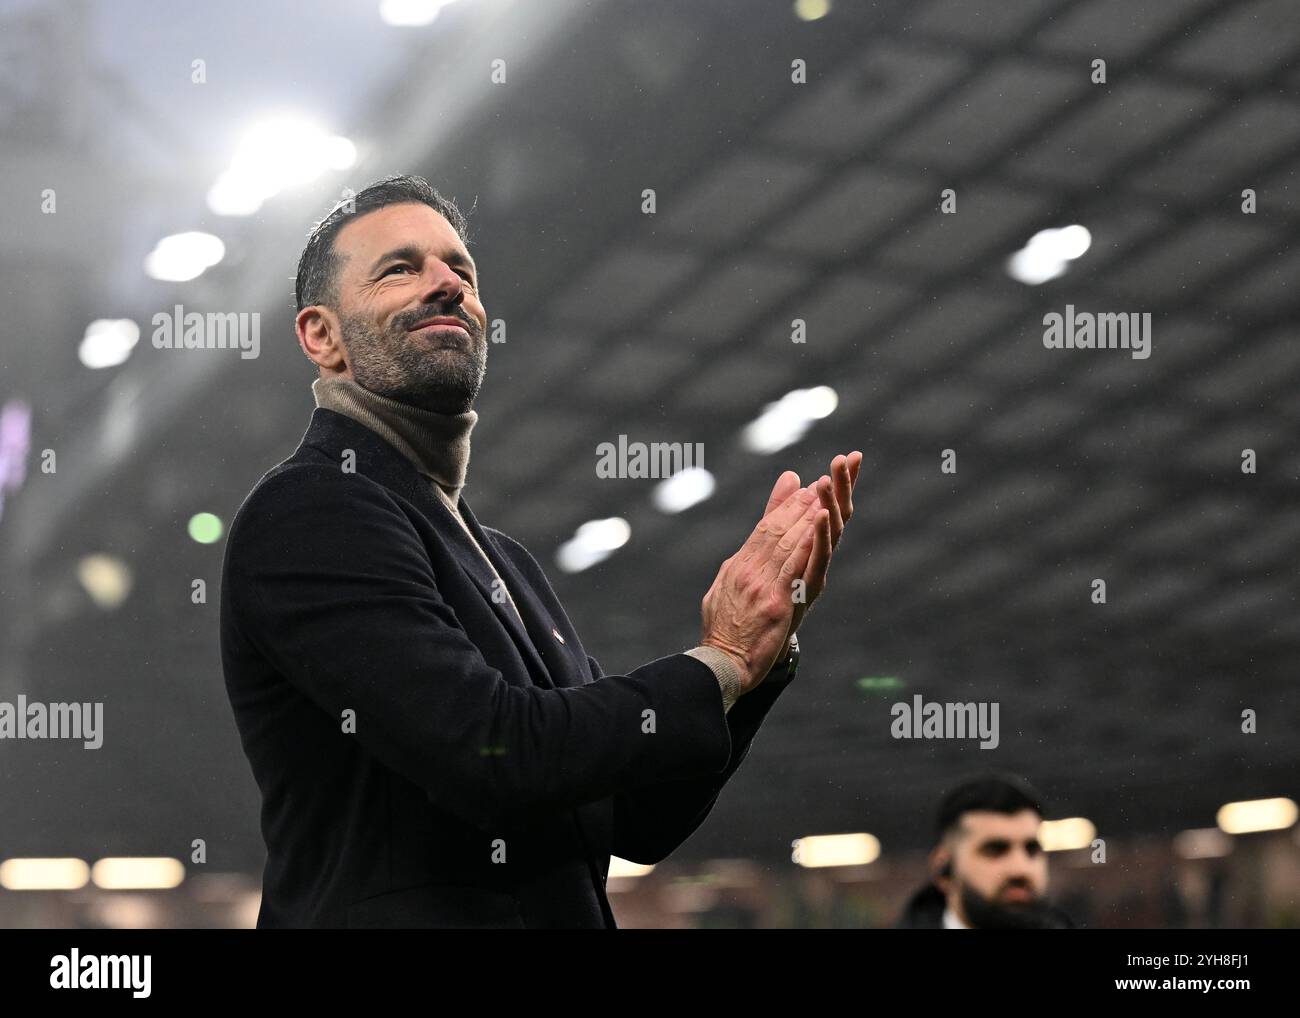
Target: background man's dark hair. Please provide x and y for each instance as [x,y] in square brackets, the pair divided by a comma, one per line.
[319,264]
[995,793]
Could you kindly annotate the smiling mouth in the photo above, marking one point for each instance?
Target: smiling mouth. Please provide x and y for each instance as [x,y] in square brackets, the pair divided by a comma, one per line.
[434,327]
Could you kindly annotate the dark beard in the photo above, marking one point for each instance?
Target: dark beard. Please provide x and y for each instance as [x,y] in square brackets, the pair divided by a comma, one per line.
[391,364]
[984,914]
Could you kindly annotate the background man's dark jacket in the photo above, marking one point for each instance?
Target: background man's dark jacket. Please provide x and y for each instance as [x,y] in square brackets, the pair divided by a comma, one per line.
[923,911]
[424,761]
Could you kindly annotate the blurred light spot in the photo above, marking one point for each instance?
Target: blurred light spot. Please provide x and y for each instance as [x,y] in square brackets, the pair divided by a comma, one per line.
[836,850]
[1048,254]
[108,342]
[127,912]
[184,256]
[137,873]
[219,888]
[784,422]
[1069,242]
[1033,268]
[106,579]
[1257,815]
[811,10]
[120,425]
[687,895]
[15,440]
[1202,843]
[205,528]
[593,542]
[880,683]
[43,874]
[734,873]
[276,154]
[411,13]
[1066,835]
[683,490]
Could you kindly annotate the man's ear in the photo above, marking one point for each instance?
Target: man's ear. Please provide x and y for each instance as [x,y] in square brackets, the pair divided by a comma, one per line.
[941,868]
[320,337]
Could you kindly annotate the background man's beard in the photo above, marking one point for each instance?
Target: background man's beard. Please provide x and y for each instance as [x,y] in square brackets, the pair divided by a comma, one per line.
[985,914]
[445,380]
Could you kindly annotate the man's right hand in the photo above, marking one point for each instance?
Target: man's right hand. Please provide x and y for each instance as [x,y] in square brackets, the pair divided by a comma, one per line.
[747,611]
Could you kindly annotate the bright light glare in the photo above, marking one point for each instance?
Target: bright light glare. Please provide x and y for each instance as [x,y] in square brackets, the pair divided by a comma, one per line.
[593,542]
[811,10]
[108,342]
[787,420]
[184,256]
[106,578]
[411,13]
[683,490]
[1257,815]
[276,154]
[1048,254]
[1034,267]
[836,850]
[43,874]
[119,874]
[1066,835]
[205,528]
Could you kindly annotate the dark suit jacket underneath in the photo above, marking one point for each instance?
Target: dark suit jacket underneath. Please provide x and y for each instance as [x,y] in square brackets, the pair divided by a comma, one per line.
[422,759]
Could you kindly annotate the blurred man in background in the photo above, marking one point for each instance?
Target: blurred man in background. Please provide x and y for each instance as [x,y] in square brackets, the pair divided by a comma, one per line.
[989,870]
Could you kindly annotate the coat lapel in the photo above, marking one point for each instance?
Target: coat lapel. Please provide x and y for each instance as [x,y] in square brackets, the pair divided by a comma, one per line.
[560,654]
[472,562]
[331,432]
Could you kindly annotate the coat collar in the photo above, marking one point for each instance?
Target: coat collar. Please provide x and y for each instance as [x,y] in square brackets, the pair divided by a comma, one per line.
[333,434]
[438,444]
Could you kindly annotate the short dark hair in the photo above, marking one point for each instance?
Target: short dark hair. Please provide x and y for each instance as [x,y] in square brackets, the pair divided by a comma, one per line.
[318,265]
[995,793]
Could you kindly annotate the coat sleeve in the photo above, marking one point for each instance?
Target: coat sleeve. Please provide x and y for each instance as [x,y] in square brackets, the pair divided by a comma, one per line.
[330,583]
[652,821]
[652,818]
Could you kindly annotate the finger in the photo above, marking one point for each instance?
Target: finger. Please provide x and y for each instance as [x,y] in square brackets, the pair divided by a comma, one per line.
[819,561]
[790,539]
[785,486]
[797,561]
[769,529]
[844,493]
[830,499]
[772,528]
[854,465]
[814,576]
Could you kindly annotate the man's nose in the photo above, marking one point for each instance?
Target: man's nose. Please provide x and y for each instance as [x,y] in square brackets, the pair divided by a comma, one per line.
[444,286]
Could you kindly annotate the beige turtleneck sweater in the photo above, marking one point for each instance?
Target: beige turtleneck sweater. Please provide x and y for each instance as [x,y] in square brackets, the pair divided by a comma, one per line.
[438,445]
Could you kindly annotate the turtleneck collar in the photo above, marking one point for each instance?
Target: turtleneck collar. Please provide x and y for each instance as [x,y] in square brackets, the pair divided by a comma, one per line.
[438,444]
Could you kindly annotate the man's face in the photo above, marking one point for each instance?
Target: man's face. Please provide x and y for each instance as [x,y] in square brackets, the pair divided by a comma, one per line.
[400,267]
[999,870]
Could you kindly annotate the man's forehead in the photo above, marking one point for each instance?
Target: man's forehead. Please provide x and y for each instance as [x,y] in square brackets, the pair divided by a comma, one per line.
[412,224]
[985,824]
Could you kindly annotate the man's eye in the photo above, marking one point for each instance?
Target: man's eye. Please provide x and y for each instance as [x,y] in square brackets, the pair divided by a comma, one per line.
[392,268]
